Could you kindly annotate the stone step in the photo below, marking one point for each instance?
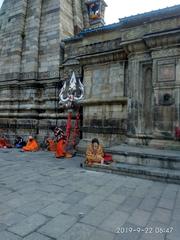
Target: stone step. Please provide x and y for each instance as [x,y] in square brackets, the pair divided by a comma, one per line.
[143,159]
[146,157]
[143,162]
[153,173]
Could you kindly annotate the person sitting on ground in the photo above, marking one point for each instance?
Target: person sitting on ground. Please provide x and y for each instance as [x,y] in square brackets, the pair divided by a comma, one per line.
[51,145]
[19,142]
[61,144]
[60,148]
[4,143]
[94,153]
[31,145]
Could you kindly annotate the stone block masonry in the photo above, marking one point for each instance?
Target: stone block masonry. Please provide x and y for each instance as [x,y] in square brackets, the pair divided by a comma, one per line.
[30,55]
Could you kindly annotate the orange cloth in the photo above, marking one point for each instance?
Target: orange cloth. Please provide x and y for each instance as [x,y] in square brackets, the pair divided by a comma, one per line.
[94,156]
[51,145]
[31,145]
[60,149]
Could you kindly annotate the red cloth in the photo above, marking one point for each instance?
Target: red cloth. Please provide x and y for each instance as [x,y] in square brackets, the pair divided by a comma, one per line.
[4,143]
[108,157]
[177,132]
[68,127]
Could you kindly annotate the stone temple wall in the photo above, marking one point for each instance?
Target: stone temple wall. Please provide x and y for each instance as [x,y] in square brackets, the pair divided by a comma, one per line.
[130,70]
[131,75]
[30,55]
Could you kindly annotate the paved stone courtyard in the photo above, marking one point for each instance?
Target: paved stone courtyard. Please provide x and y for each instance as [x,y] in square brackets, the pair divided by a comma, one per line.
[42,198]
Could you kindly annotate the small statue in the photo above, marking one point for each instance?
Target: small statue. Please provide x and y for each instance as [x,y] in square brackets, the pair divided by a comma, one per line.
[94,11]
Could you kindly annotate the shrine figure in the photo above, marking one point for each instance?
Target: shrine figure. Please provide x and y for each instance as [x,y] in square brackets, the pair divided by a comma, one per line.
[94,10]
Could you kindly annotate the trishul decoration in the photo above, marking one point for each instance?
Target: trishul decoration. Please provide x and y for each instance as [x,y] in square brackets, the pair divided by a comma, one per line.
[73,94]
[69,96]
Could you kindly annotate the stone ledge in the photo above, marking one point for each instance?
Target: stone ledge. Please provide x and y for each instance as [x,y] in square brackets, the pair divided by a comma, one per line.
[121,100]
[145,155]
[103,130]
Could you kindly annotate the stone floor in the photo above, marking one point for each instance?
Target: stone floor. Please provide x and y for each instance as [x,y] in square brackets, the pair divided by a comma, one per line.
[42,198]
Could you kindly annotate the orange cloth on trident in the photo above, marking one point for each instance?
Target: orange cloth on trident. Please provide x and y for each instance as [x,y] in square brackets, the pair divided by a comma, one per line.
[31,145]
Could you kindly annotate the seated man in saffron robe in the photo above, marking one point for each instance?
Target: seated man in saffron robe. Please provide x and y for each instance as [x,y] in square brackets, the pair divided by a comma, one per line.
[31,145]
[60,149]
[61,144]
[94,153]
[51,145]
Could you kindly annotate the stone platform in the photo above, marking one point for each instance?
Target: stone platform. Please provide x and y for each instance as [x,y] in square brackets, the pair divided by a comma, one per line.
[144,162]
[42,198]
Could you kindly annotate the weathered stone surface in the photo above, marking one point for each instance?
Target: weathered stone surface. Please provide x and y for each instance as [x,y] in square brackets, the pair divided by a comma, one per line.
[139,217]
[78,231]
[30,53]
[28,225]
[98,234]
[9,236]
[57,226]
[11,218]
[54,209]
[161,215]
[145,74]
[130,70]
[36,236]
[99,219]
[114,221]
